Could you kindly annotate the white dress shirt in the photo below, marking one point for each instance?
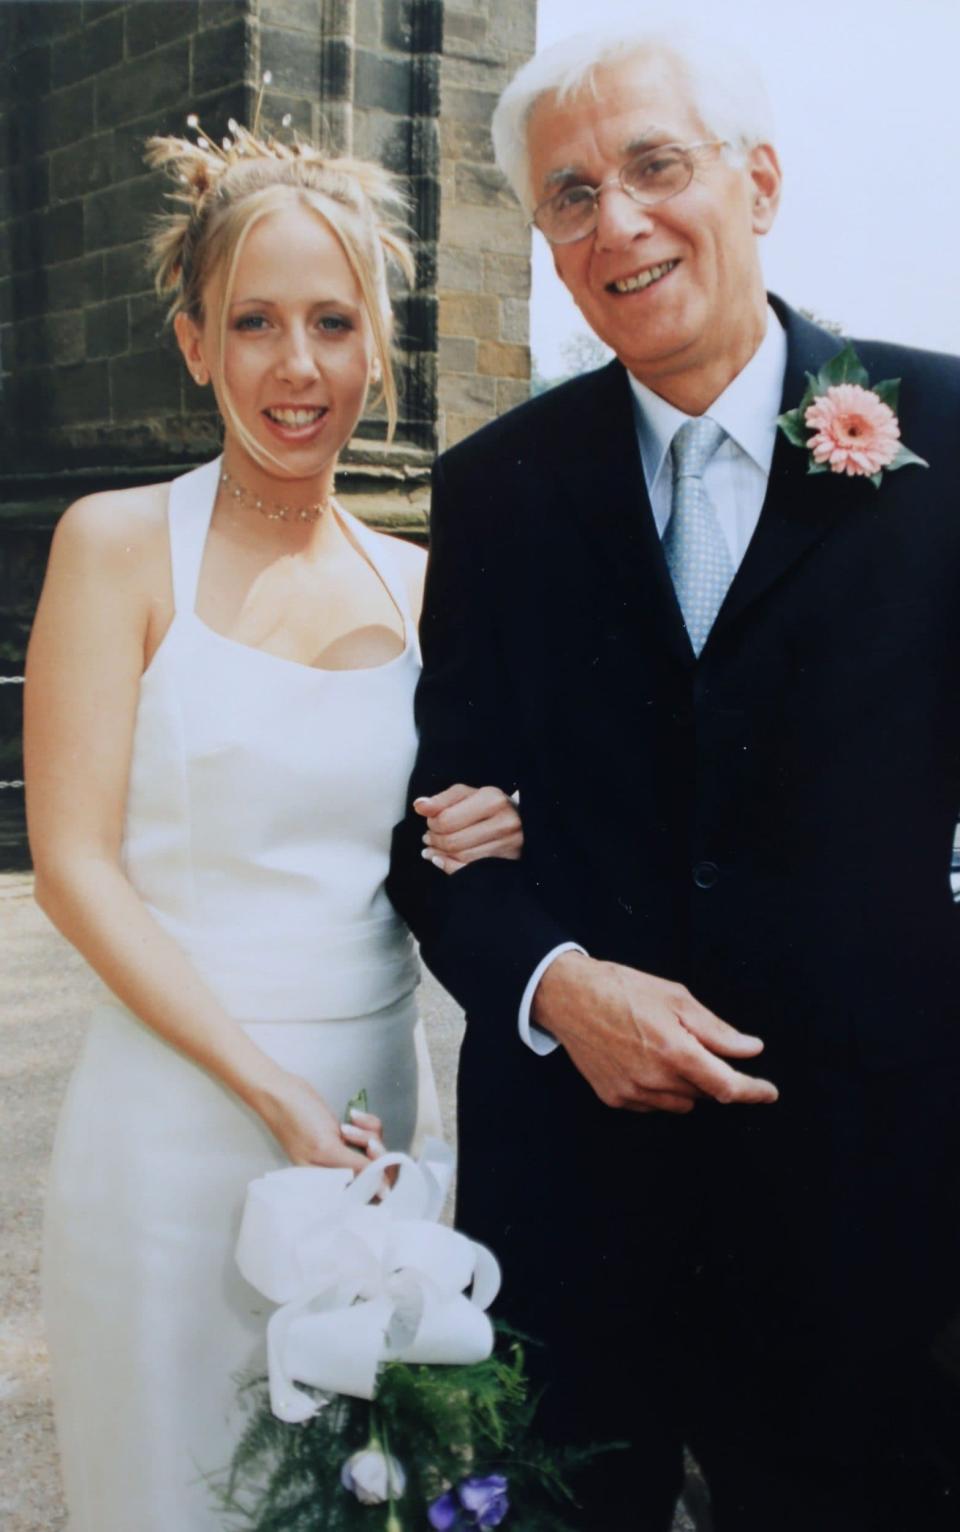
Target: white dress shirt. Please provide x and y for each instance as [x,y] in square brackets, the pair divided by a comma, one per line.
[735,480]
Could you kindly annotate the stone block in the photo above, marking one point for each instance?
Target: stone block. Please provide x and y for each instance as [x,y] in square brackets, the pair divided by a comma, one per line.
[6,300]
[120,214]
[72,284]
[468,105]
[147,383]
[316,69]
[514,23]
[456,354]
[30,73]
[46,236]
[483,185]
[464,140]
[511,392]
[484,71]
[64,395]
[318,18]
[83,167]
[107,328]
[382,81]
[51,18]
[466,394]
[459,271]
[28,187]
[148,327]
[483,228]
[464,27]
[457,427]
[160,22]
[148,84]
[475,316]
[416,322]
[425,213]
[65,117]
[126,270]
[498,359]
[219,58]
[366,26]
[397,24]
[218,13]
[515,321]
[52,340]
[84,54]
[508,275]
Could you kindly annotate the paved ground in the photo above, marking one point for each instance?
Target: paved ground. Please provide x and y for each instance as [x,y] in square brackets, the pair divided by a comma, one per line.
[45,994]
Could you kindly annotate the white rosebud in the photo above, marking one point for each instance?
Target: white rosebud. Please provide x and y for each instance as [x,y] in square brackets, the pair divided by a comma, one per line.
[268,77]
[286,119]
[193,121]
[373,1476]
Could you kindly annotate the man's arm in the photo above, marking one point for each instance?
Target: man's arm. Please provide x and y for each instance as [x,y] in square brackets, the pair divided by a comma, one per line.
[641,1042]
[483,932]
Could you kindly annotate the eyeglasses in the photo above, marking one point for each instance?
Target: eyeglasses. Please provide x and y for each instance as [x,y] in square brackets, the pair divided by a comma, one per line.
[651,177]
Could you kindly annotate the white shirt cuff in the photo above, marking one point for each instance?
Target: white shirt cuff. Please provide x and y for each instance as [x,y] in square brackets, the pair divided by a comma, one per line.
[541,1042]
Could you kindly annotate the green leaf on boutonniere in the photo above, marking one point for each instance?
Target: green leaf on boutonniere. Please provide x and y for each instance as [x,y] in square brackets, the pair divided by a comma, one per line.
[845,367]
[888,392]
[813,467]
[793,428]
[903,458]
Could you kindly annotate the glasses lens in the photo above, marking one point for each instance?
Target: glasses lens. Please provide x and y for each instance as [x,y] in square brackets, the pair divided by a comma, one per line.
[657,174]
[567,216]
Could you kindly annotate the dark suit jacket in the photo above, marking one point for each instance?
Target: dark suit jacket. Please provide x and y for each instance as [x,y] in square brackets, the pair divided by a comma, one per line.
[770,824]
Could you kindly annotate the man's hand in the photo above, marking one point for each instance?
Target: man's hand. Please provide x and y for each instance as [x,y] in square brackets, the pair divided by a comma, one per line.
[642,1043]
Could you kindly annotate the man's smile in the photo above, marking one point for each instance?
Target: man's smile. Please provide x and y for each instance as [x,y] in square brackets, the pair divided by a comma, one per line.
[641,279]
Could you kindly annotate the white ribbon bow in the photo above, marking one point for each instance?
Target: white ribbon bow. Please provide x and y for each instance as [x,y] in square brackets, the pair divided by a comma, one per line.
[361,1284]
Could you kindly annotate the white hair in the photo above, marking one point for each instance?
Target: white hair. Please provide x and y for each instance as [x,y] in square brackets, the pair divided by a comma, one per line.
[726,87]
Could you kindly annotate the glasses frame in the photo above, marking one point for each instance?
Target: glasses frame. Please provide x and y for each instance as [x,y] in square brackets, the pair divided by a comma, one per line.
[616,179]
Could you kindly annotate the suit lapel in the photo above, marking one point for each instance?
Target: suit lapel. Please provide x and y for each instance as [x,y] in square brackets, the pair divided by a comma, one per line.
[799,508]
[605,490]
[606,493]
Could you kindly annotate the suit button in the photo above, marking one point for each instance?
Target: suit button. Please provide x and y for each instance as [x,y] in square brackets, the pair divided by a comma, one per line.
[706,874]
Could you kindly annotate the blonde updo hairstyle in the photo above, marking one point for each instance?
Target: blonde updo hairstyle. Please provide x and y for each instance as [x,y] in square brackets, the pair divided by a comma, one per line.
[222,193]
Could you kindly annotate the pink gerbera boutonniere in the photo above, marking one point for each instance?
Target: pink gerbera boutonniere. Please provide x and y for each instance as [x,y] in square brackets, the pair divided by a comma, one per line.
[854,426]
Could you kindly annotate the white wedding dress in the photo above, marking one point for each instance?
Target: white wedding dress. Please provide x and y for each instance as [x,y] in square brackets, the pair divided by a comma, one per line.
[261,799]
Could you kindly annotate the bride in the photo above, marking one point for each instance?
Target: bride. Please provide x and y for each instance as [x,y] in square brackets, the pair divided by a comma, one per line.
[219,733]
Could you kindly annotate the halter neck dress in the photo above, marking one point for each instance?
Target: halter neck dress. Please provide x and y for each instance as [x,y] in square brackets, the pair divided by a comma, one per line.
[262,794]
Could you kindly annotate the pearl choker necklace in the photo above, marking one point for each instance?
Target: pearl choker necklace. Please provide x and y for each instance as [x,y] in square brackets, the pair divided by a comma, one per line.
[274,510]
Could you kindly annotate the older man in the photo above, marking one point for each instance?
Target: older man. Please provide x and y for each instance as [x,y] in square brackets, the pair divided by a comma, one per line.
[721,1160]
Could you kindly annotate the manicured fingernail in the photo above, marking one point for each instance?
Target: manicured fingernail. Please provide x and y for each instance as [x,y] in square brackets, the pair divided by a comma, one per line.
[376,1147]
[356,1135]
[356,1115]
[438,862]
[420,800]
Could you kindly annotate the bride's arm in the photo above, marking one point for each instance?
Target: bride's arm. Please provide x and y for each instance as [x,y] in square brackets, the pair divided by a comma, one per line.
[463,824]
[84,664]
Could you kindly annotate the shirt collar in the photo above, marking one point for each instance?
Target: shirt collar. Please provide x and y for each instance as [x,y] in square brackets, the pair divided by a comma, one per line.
[747,409]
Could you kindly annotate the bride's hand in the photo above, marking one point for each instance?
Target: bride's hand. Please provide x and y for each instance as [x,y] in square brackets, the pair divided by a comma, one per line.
[466,824]
[307,1130]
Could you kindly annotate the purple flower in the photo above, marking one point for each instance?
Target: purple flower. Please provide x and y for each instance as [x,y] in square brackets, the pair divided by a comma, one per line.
[444,1513]
[482,1503]
[485,1499]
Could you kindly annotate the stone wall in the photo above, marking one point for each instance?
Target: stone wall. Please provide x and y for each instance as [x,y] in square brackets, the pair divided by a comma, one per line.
[483,274]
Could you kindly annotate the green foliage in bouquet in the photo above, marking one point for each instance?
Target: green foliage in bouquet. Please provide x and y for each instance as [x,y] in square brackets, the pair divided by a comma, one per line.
[437,1427]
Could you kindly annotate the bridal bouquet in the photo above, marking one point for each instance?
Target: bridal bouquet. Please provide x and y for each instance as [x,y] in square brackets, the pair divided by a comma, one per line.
[390,1402]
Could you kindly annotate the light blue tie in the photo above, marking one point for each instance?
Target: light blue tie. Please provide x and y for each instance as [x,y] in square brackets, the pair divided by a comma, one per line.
[694,545]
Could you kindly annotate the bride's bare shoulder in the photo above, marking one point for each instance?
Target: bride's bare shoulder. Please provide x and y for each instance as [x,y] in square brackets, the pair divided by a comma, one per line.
[115,524]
